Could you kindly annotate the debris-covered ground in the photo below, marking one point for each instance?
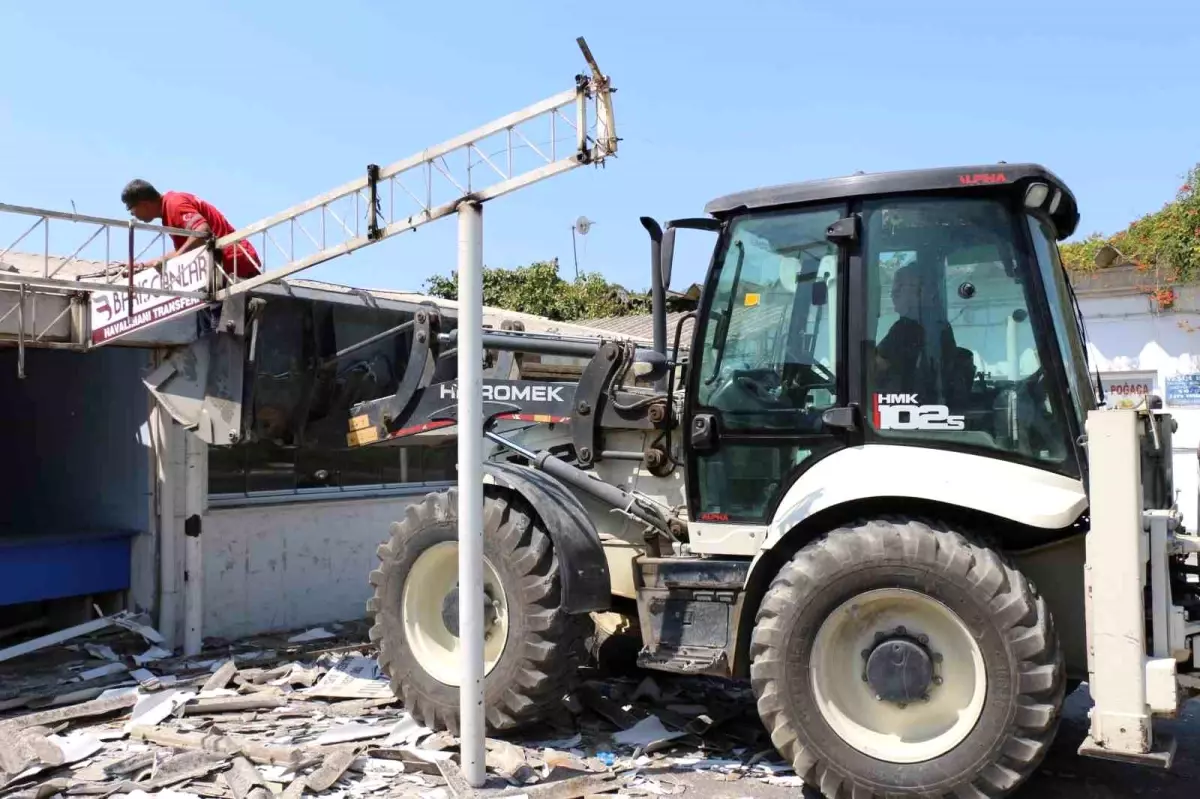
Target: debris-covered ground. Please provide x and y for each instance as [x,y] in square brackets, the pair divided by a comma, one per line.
[109,712]
[112,713]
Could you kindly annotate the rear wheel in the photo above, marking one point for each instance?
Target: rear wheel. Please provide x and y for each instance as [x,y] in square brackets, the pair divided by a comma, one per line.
[895,658]
[532,647]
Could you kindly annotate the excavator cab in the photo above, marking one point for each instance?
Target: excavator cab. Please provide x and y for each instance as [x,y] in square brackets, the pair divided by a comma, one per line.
[918,309]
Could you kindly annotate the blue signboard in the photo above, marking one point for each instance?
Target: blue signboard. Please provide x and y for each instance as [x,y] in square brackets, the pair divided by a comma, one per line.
[1184,390]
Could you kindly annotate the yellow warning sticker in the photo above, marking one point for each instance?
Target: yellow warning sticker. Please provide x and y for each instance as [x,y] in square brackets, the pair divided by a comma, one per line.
[752,299]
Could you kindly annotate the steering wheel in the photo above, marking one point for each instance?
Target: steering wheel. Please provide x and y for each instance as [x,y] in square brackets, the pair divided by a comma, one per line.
[749,382]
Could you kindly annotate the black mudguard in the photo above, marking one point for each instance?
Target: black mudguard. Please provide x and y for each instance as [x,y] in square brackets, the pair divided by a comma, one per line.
[583,568]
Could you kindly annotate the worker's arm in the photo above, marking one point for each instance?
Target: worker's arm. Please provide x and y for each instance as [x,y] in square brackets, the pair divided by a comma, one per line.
[192,243]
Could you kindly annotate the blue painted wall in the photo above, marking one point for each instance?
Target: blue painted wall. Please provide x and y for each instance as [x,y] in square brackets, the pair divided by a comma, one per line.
[74,467]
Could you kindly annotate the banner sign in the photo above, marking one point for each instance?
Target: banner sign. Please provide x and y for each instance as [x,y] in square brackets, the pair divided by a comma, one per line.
[112,315]
[1127,389]
[1183,390]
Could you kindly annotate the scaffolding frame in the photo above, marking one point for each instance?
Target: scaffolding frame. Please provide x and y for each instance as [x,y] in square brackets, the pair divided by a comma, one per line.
[594,141]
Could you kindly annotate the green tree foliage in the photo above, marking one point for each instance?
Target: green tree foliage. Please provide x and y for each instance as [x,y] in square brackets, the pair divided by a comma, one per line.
[1167,240]
[539,289]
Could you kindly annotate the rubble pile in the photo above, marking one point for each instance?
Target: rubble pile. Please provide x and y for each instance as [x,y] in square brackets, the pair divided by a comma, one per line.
[110,712]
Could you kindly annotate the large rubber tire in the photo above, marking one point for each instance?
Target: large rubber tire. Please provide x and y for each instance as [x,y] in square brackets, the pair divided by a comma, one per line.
[1012,627]
[544,646]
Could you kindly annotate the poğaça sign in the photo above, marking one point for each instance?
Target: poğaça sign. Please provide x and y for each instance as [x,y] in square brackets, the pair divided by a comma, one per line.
[113,315]
[1126,390]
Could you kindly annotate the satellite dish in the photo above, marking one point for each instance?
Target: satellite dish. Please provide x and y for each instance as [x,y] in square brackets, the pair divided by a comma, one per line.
[583,225]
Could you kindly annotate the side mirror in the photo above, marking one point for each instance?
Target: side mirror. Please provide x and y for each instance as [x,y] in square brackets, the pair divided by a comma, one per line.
[667,257]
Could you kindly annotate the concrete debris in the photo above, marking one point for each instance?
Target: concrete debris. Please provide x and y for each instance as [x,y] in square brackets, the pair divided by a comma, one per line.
[332,768]
[101,651]
[244,780]
[645,732]
[153,708]
[315,634]
[151,654]
[101,671]
[232,704]
[311,714]
[344,733]
[406,732]
[220,677]
[508,760]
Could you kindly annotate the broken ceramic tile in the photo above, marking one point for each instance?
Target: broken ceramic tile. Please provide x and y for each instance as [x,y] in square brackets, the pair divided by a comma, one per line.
[315,634]
[645,732]
[406,732]
[344,733]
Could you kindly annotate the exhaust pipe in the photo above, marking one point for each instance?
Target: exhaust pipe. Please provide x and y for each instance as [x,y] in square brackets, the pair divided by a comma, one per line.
[658,292]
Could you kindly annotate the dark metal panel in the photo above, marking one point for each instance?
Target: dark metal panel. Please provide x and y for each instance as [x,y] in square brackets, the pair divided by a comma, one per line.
[582,566]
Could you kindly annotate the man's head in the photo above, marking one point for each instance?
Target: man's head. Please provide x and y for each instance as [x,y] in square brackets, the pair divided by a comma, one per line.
[906,291]
[142,200]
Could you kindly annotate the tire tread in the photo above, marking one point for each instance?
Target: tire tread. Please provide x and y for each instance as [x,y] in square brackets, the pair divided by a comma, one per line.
[1018,609]
[550,654]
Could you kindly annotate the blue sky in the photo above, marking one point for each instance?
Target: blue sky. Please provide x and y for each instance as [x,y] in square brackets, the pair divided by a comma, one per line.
[257,106]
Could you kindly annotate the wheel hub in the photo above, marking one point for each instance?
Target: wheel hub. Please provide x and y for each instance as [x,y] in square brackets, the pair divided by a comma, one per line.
[429,606]
[450,611]
[899,669]
[902,705]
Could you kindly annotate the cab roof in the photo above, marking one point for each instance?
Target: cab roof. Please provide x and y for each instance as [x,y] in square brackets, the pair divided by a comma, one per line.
[996,177]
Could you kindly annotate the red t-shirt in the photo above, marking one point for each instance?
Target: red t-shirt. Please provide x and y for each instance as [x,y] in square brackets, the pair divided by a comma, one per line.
[184,210]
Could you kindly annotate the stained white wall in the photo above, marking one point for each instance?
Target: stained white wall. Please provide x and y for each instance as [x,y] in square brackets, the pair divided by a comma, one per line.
[280,567]
[1127,334]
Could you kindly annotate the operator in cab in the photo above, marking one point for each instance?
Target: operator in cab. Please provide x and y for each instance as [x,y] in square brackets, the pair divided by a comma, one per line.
[179,209]
[903,360]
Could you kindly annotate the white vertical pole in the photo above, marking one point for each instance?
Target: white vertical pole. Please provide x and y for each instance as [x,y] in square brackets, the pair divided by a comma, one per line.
[470,490]
[193,553]
[163,426]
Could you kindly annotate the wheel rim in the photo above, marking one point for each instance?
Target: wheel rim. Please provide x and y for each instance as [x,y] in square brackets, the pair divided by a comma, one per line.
[888,729]
[428,588]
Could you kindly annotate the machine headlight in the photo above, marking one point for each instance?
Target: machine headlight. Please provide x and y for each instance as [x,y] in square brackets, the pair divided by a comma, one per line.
[1036,194]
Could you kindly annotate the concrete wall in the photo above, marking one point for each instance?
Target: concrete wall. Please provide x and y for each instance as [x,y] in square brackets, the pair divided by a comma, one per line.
[1127,335]
[286,566]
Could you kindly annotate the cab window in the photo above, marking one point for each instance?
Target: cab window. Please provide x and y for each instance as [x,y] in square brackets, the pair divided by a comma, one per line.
[953,356]
[769,355]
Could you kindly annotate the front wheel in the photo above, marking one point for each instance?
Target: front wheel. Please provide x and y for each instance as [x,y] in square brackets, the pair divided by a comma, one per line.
[532,646]
[895,658]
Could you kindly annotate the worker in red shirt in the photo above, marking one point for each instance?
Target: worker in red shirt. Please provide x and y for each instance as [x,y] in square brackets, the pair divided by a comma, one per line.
[182,210]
